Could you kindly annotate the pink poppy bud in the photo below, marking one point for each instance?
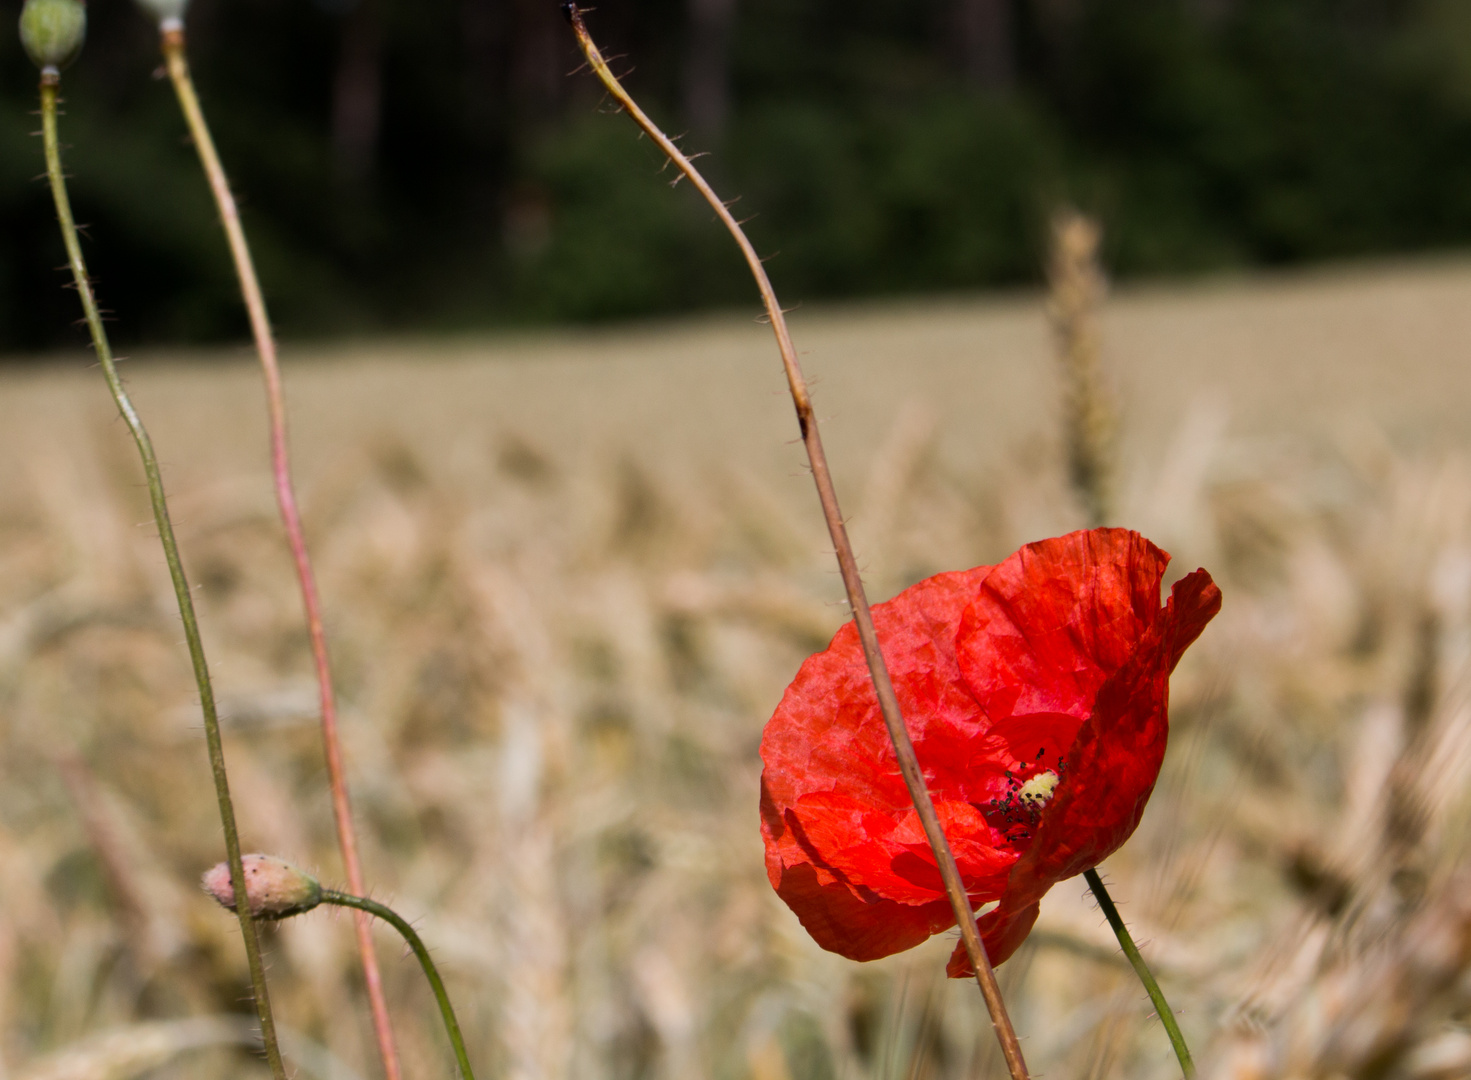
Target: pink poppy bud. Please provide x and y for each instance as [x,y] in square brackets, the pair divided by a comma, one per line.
[275,888]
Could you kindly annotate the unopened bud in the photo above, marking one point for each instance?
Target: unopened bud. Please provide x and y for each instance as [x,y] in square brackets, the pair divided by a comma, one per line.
[52,31]
[168,13]
[275,888]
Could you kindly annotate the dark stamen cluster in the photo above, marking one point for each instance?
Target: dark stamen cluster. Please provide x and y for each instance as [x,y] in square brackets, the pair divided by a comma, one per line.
[1019,812]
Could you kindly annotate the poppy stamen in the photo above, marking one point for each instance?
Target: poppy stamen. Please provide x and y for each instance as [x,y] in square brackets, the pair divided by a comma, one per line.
[1037,792]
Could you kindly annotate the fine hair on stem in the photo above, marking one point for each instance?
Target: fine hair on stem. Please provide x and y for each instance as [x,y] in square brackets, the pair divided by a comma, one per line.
[173,44]
[50,85]
[1141,969]
[847,563]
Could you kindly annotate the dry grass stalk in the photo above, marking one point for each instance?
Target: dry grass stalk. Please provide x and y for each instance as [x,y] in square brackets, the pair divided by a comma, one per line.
[644,628]
[671,601]
[1367,977]
[139,1049]
[148,900]
[1076,290]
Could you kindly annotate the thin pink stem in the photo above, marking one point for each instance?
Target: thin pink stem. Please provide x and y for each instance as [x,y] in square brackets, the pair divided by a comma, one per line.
[847,564]
[265,345]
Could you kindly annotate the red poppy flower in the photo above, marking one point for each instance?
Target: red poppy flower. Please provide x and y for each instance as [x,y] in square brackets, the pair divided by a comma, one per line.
[1036,693]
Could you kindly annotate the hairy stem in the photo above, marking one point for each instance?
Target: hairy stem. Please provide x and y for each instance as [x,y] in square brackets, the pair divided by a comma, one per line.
[50,82]
[847,564]
[363,906]
[265,347]
[1151,986]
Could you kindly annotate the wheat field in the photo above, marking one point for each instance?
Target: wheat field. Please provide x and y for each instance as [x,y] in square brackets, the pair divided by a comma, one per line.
[567,576]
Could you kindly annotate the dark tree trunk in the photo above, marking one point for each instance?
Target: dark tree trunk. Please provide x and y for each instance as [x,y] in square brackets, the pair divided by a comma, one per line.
[707,66]
[985,40]
[357,93]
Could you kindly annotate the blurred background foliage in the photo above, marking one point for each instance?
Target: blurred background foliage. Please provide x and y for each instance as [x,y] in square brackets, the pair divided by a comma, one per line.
[430,164]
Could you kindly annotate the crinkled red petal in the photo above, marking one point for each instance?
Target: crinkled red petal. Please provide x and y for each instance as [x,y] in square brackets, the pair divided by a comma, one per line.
[1002,933]
[843,917]
[1112,767]
[1058,659]
[1055,620]
[843,844]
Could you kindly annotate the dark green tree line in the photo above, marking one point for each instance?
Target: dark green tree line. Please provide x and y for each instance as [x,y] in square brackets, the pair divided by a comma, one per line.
[431,163]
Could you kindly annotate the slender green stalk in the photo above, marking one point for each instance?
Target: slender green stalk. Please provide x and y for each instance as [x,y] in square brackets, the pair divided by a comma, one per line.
[416,943]
[1077,287]
[172,39]
[50,81]
[1151,986]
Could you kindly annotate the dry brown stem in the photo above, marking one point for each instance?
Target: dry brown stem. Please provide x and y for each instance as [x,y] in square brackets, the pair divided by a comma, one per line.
[265,344]
[847,564]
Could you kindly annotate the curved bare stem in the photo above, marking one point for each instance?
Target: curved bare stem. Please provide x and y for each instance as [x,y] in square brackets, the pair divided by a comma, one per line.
[415,943]
[847,564]
[50,82]
[265,346]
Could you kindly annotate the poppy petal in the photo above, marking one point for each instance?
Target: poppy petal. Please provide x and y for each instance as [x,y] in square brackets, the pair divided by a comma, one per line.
[860,929]
[1111,770]
[1036,694]
[1002,932]
[833,797]
[841,916]
[1055,620]
[1114,762]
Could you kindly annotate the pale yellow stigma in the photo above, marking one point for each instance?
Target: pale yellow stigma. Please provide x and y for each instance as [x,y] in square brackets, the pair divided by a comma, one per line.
[1037,792]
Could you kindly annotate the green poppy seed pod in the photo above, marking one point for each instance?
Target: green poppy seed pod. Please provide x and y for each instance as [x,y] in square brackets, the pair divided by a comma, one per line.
[168,13]
[52,31]
[275,888]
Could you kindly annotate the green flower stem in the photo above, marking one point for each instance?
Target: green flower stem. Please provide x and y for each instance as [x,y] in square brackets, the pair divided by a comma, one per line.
[265,345]
[50,81]
[1156,995]
[416,943]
